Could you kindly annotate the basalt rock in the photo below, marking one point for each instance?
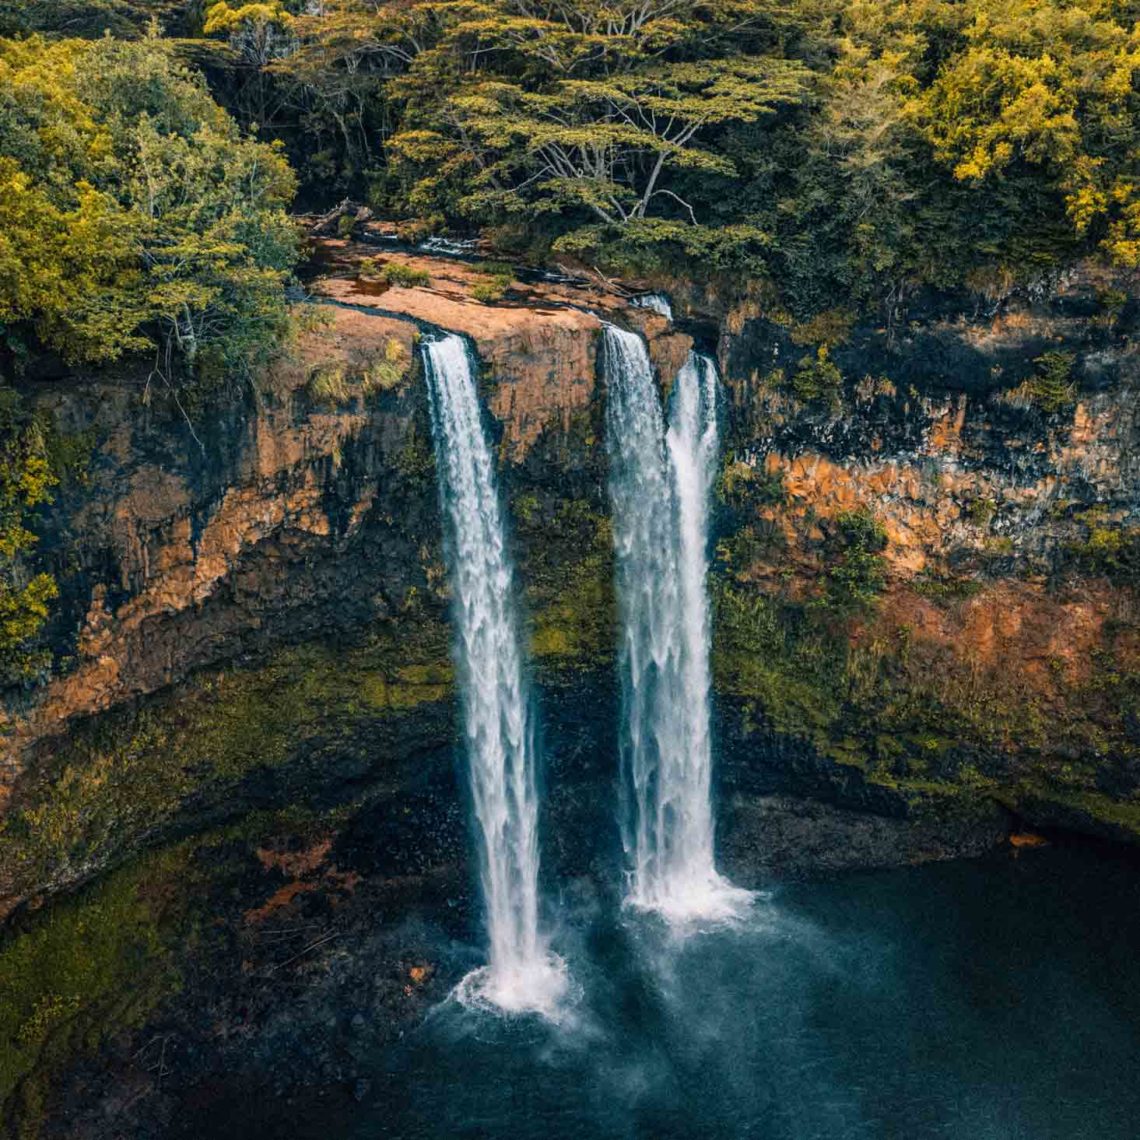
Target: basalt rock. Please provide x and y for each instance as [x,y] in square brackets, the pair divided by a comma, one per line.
[978,643]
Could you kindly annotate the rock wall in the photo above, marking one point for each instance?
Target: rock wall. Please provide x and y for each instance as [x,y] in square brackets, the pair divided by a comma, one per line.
[300,512]
[925,576]
[929,560]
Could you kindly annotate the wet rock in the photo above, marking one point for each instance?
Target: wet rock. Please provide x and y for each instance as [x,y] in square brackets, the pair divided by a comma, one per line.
[780,835]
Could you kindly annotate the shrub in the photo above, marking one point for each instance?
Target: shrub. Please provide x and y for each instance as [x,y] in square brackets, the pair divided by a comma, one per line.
[328,385]
[817,380]
[857,571]
[487,292]
[1052,388]
[98,260]
[27,479]
[385,373]
[494,286]
[405,276]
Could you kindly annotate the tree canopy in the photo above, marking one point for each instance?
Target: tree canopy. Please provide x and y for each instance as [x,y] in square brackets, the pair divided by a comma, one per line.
[134,213]
[831,153]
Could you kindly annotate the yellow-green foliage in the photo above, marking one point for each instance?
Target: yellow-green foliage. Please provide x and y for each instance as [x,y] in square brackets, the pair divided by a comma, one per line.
[743,483]
[27,479]
[328,384]
[856,569]
[406,276]
[1043,84]
[494,286]
[488,292]
[1108,548]
[132,209]
[334,384]
[1050,388]
[221,17]
[817,379]
[385,373]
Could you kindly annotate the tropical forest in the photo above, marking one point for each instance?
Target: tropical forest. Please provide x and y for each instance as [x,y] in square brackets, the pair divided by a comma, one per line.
[569,570]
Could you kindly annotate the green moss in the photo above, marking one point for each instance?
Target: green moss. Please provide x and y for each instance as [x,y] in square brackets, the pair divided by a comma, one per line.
[411,686]
[899,708]
[84,968]
[131,774]
[1119,813]
[93,964]
[568,573]
[766,653]
[945,589]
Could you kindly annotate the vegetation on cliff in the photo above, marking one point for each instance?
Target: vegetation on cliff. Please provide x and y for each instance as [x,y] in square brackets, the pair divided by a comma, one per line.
[27,476]
[841,151]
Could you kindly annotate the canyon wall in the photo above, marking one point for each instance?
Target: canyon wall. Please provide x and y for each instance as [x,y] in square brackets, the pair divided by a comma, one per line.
[931,548]
[924,575]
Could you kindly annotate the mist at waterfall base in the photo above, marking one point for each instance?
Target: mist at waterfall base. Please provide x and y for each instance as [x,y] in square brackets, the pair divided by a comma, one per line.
[522,975]
[659,487]
[993,999]
[986,1000]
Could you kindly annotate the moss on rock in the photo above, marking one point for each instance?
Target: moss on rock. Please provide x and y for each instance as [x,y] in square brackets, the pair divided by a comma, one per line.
[128,777]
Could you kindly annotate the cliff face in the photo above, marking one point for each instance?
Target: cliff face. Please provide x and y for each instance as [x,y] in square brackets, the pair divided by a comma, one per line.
[924,577]
[188,538]
[299,513]
[929,564]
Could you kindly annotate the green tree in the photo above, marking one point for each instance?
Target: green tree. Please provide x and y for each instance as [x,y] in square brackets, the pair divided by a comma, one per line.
[1049,85]
[335,84]
[532,110]
[133,212]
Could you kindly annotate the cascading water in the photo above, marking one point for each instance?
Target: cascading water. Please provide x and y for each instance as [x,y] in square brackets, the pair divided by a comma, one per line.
[656,303]
[522,974]
[659,486]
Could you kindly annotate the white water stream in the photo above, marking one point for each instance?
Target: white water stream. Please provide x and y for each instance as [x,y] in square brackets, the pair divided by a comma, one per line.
[522,975]
[660,482]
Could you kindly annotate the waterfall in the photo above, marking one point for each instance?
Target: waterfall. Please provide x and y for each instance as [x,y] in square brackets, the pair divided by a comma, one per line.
[521,975]
[659,486]
[655,302]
